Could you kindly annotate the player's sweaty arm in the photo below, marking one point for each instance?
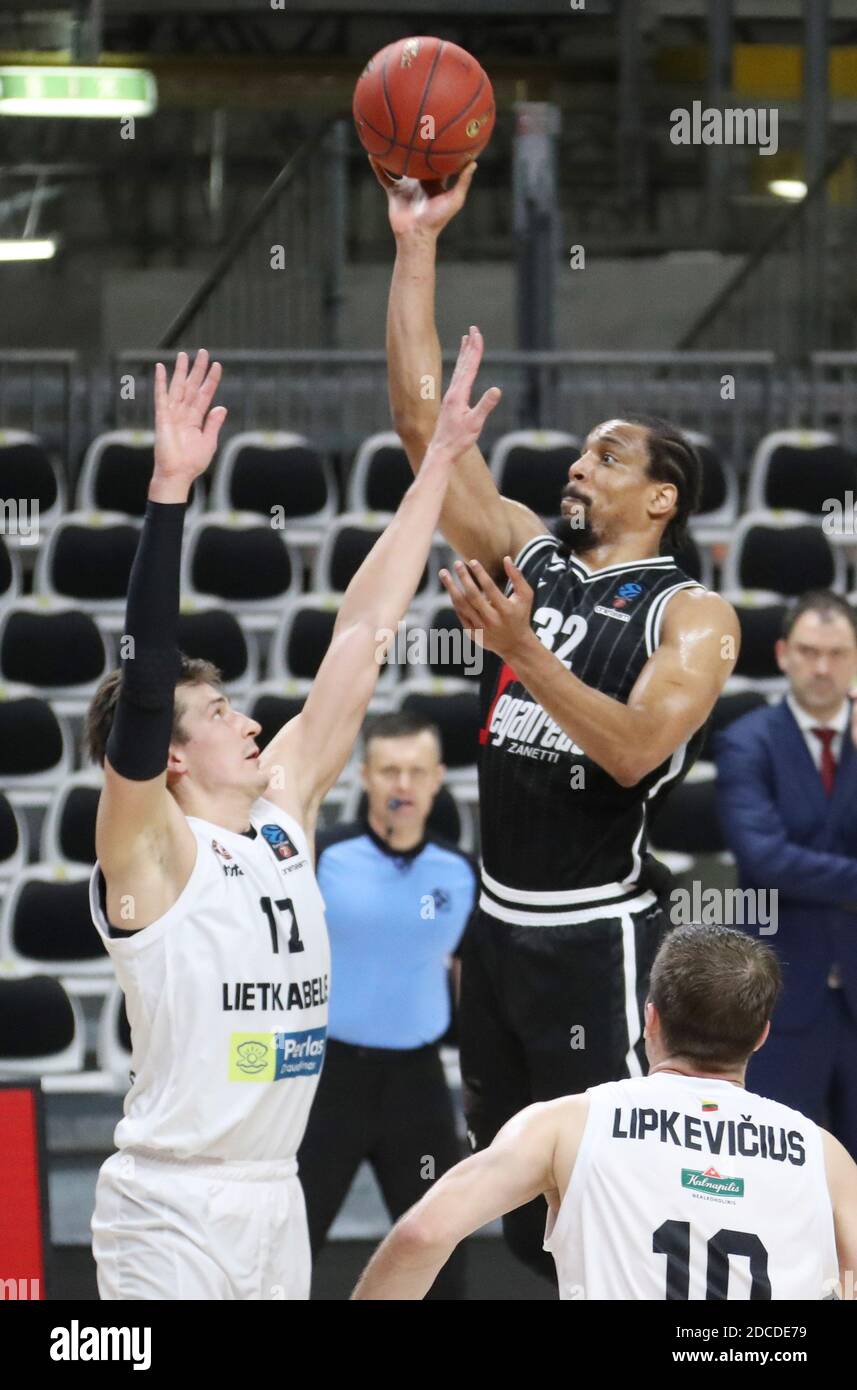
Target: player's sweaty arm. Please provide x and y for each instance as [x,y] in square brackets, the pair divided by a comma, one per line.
[671,698]
[475,519]
[311,750]
[143,842]
[533,1154]
[842,1185]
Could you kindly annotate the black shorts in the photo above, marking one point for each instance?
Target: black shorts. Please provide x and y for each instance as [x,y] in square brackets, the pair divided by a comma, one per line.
[547,1011]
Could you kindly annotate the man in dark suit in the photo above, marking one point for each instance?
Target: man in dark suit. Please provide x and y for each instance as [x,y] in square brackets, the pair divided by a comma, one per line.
[787,799]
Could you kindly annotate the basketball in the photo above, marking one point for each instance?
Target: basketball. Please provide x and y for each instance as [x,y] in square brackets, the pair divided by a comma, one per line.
[424,107]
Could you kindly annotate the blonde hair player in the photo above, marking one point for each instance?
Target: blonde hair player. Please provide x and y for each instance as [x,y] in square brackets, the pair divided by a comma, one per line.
[205,893]
[676,1185]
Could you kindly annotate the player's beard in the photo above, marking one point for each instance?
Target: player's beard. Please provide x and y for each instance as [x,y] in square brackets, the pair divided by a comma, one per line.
[574,538]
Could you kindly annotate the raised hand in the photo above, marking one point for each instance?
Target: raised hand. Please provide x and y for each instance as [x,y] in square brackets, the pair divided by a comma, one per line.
[459,424]
[186,427]
[414,206]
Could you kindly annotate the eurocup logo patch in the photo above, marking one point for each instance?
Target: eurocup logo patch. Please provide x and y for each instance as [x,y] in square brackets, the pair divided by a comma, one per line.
[627,592]
[279,841]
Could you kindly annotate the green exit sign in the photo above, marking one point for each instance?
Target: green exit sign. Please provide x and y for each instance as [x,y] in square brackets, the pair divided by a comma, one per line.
[77,91]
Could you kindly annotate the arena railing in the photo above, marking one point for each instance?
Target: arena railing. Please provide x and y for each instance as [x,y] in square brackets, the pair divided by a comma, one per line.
[41,392]
[337,398]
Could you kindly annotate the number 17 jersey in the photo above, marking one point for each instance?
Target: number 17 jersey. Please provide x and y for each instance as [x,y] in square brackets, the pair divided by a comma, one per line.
[226,996]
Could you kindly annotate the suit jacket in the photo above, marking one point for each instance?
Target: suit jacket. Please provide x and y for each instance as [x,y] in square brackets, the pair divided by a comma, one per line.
[786,833]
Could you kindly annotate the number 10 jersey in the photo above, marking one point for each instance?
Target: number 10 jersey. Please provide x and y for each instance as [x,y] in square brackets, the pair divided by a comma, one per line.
[226,995]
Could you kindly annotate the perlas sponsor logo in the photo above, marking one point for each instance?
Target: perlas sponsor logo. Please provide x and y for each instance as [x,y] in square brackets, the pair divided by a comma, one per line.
[711,1182]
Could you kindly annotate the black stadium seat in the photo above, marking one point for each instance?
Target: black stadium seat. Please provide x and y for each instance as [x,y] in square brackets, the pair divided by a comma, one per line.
[36,1018]
[51,923]
[215,635]
[51,650]
[242,564]
[761,626]
[273,711]
[456,715]
[89,563]
[31,740]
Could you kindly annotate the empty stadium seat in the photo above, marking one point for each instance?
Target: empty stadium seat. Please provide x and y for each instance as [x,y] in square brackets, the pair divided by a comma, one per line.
[68,832]
[46,928]
[42,1028]
[783,553]
[733,704]
[36,748]
[454,706]
[799,470]
[14,840]
[243,560]
[531,466]
[262,471]
[712,523]
[347,543]
[685,823]
[443,649]
[208,632]
[274,703]
[56,648]
[380,475]
[302,637]
[761,618]
[29,474]
[116,472]
[87,561]
[696,560]
[10,569]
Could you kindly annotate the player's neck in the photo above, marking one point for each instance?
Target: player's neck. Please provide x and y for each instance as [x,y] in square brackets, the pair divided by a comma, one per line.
[228,809]
[621,552]
[679,1067]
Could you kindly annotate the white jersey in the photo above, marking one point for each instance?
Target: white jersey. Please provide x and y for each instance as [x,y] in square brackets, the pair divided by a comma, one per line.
[227,998]
[686,1188]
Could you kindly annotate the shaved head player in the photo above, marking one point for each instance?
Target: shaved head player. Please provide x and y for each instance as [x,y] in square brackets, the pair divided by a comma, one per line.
[607,660]
[677,1185]
[205,893]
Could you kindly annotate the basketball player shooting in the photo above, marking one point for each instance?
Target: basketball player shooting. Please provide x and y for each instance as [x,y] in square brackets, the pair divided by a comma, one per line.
[205,895]
[607,660]
[677,1185]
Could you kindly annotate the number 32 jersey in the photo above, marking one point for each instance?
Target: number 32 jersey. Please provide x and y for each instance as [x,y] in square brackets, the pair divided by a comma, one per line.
[559,835]
[226,995]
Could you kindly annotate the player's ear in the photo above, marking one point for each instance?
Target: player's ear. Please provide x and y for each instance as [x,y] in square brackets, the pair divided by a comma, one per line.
[763,1037]
[651,1019]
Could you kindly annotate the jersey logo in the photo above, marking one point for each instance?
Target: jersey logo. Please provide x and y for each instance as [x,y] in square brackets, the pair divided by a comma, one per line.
[507,675]
[441,899]
[626,592]
[712,1183]
[281,845]
[276,1056]
[220,850]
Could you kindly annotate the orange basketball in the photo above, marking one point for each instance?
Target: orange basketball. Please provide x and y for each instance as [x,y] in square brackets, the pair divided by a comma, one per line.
[423,107]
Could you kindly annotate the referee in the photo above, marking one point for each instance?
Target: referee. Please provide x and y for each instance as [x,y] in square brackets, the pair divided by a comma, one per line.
[398,899]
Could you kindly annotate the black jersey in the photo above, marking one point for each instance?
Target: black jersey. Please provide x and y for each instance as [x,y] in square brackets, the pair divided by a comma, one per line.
[560,837]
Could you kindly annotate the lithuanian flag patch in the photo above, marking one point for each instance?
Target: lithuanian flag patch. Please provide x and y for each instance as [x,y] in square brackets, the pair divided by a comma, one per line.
[710,1105]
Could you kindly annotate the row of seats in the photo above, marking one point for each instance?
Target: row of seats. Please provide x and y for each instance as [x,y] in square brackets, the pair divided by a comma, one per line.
[283,474]
[241,560]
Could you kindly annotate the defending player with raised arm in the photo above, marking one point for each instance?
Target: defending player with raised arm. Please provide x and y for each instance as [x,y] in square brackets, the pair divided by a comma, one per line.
[678,1185]
[205,896]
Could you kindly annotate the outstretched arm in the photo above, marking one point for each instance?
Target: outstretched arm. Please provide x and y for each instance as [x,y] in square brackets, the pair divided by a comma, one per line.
[671,698]
[309,752]
[522,1163]
[475,519]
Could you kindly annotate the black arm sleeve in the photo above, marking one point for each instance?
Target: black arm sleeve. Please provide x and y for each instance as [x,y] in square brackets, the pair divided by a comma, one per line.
[139,739]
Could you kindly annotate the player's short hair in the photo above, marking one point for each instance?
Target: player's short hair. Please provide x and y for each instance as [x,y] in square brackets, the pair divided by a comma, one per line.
[822,601]
[714,989]
[102,709]
[401,723]
[673,459]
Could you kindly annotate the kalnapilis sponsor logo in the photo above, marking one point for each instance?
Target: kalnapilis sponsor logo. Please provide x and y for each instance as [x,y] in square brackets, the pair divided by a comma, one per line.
[712,1183]
[276,1056]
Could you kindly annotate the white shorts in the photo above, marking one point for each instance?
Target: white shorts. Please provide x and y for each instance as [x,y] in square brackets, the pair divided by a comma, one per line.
[199,1229]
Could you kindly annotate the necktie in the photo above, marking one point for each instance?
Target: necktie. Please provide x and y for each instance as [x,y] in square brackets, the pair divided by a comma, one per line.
[828,762]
